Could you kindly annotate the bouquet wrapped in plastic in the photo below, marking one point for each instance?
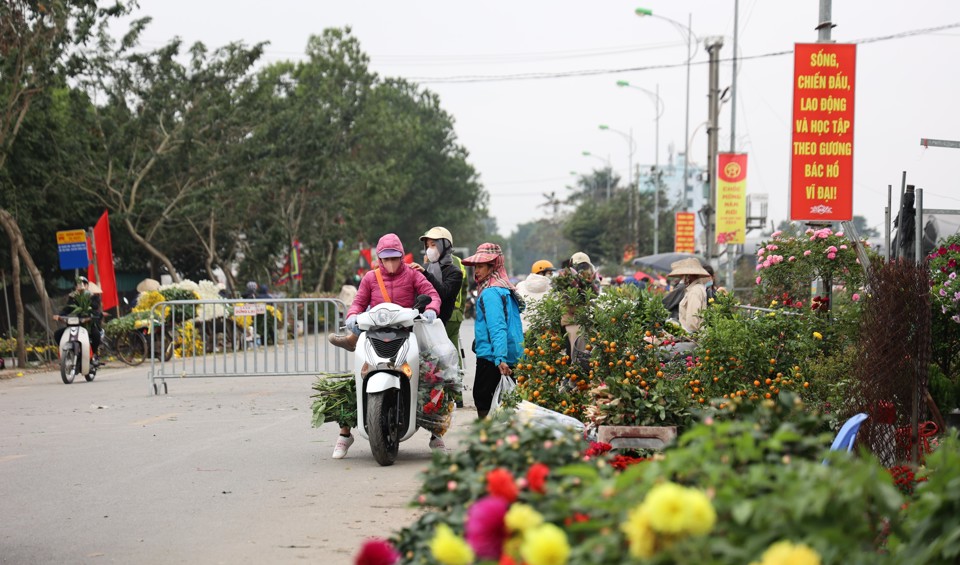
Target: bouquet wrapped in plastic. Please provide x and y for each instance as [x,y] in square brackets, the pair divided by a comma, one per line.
[439,378]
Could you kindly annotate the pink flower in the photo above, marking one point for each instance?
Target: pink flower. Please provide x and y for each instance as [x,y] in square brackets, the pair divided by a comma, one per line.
[451,485]
[798,304]
[772,247]
[792,258]
[377,552]
[839,234]
[856,297]
[807,252]
[761,251]
[831,255]
[484,528]
[832,249]
[843,247]
[758,280]
[776,234]
[759,266]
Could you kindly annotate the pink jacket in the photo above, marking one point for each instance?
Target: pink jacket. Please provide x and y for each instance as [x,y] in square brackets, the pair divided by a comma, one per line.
[403,286]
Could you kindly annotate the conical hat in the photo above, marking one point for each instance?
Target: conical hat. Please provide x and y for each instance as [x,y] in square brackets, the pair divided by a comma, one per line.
[147,285]
[94,288]
[689,266]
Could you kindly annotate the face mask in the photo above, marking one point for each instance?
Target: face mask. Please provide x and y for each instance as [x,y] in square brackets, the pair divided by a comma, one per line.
[433,254]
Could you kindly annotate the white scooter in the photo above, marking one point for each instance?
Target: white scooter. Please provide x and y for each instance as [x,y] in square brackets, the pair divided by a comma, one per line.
[387,373]
[76,356]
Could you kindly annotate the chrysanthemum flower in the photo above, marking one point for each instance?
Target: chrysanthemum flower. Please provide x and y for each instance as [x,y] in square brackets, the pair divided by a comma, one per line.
[484,528]
[787,553]
[500,483]
[641,537]
[522,517]
[377,552]
[449,548]
[545,545]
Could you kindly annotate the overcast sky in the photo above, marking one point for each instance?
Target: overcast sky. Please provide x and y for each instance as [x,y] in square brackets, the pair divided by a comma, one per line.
[526,136]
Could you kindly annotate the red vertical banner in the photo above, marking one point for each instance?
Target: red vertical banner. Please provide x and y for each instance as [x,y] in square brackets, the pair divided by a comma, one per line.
[821,180]
[102,273]
[731,198]
[684,239]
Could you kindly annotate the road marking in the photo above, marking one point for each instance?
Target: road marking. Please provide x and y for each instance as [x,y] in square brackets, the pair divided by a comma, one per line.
[156,419]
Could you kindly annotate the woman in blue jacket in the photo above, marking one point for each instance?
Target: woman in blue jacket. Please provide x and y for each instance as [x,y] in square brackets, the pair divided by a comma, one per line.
[498,334]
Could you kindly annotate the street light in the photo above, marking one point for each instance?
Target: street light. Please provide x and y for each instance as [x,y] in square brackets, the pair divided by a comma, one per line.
[687,32]
[606,162]
[655,98]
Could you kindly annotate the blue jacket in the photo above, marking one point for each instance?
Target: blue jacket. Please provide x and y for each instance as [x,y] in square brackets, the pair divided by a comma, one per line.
[498,333]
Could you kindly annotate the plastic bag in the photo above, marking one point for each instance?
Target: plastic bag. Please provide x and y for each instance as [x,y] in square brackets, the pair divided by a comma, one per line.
[440,378]
[506,385]
[535,415]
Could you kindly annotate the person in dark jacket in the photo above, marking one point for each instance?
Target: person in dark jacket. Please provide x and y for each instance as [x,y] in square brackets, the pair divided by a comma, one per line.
[85,301]
[441,271]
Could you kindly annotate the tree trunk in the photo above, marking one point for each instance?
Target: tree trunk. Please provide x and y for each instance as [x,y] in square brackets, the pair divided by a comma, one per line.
[17,245]
[18,300]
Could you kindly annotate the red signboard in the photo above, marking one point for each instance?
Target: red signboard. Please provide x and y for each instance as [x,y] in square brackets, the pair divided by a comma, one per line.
[684,238]
[821,182]
[731,198]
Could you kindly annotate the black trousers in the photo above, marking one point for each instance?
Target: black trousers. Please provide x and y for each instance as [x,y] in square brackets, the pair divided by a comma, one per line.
[485,383]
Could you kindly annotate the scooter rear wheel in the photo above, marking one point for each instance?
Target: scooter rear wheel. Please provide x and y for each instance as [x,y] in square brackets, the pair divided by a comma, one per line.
[68,366]
[382,426]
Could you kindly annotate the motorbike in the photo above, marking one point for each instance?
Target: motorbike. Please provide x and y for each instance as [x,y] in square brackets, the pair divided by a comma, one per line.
[76,355]
[387,373]
[470,304]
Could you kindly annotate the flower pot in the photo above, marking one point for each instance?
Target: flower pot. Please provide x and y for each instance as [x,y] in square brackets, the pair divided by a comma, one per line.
[637,437]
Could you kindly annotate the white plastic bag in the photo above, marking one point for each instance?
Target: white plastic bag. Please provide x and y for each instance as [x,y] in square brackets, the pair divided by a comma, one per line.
[506,385]
[535,415]
[440,379]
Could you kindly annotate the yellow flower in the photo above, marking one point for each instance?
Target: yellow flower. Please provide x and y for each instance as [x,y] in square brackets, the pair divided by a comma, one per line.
[522,517]
[449,548]
[545,545]
[642,539]
[701,512]
[666,508]
[817,335]
[786,553]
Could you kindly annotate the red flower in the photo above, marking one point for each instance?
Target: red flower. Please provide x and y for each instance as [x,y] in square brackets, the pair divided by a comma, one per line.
[537,477]
[377,552]
[577,518]
[506,560]
[500,483]
[621,462]
[597,448]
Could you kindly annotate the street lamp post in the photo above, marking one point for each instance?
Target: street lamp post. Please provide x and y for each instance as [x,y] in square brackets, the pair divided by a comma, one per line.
[606,162]
[687,32]
[655,97]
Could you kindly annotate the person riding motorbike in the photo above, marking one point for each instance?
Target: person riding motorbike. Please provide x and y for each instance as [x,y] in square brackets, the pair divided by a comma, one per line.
[393,281]
[534,287]
[86,302]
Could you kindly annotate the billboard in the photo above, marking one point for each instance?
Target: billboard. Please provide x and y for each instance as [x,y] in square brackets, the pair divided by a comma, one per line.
[821,179]
[731,198]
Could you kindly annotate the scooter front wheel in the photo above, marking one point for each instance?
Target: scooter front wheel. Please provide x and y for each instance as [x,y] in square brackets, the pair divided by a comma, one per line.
[383,427]
[68,366]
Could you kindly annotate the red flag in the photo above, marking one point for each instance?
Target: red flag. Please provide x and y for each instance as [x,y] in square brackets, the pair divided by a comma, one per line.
[107,279]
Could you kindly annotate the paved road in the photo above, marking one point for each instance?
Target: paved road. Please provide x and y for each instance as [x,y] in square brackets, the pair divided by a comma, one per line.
[221,470]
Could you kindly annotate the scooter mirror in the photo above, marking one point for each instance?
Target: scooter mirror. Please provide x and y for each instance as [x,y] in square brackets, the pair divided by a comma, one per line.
[421,303]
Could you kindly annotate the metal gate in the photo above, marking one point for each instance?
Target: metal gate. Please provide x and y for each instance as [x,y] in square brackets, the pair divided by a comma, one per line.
[244,338]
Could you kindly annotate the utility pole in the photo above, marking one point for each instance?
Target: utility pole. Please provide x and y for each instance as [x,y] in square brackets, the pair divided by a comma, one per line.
[713,45]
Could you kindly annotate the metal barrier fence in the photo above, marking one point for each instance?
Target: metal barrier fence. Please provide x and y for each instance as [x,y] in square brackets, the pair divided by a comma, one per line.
[244,338]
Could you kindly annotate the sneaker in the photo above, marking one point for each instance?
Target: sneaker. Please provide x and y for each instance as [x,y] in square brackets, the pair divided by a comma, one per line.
[96,360]
[343,444]
[436,442]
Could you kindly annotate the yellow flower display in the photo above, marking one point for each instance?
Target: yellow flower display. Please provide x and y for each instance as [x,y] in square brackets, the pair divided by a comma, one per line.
[147,300]
[545,545]
[817,335]
[449,548]
[522,517]
[787,553]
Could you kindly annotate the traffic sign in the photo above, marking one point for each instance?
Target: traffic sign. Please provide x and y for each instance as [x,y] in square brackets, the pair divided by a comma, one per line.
[72,246]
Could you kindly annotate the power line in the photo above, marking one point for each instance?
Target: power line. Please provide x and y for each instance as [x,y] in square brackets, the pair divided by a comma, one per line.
[595,72]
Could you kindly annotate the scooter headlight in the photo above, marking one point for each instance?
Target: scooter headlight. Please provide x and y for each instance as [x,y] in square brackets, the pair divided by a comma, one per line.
[384,317]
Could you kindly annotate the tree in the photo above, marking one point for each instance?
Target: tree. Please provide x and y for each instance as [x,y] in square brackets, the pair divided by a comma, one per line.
[161,133]
[38,44]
